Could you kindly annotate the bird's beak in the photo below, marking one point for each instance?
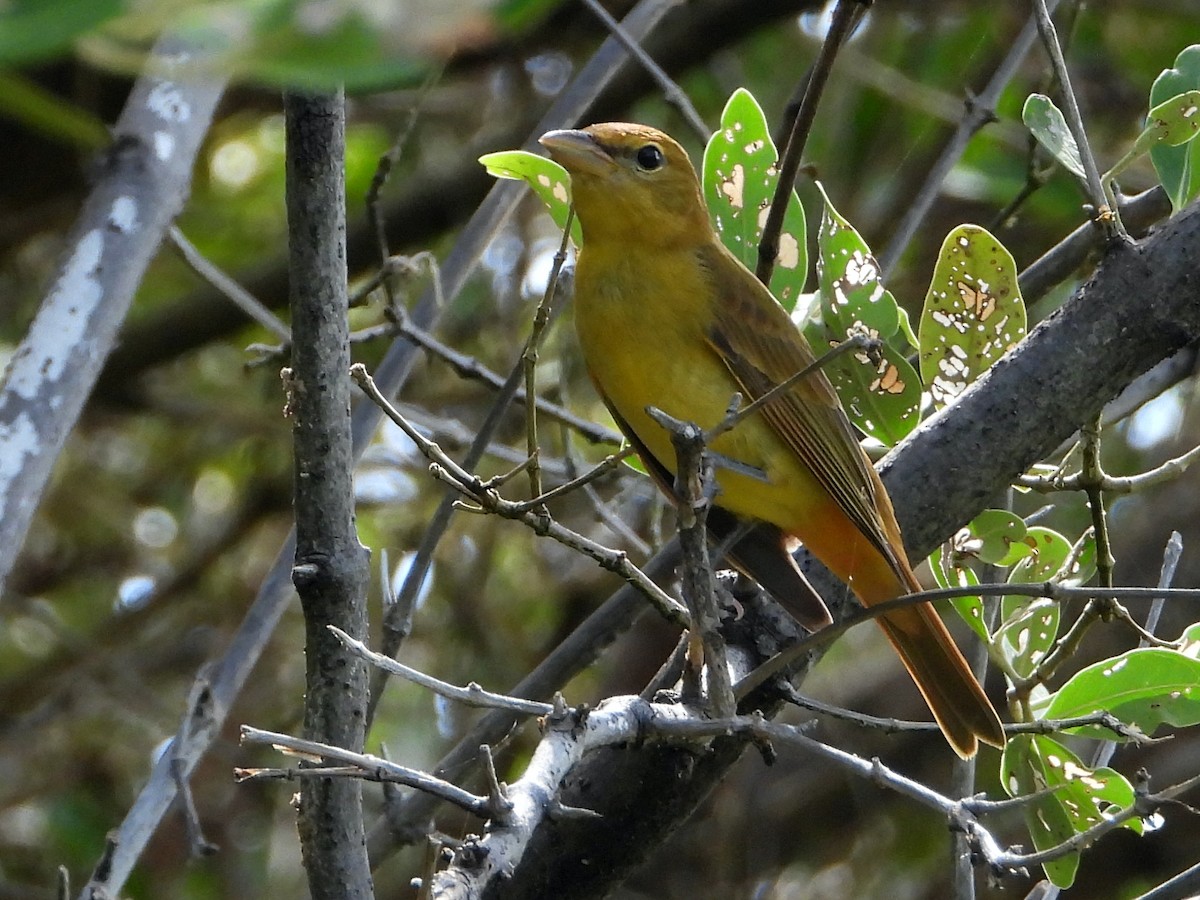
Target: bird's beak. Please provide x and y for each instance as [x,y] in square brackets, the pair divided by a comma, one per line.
[577,152]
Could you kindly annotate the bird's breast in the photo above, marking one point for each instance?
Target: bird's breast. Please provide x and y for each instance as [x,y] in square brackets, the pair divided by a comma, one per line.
[643,325]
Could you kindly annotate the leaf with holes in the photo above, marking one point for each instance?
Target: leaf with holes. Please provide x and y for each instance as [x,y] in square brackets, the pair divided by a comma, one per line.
[1073,798]
[996,537]
[1026,636]
[973,312]
[970,607]
[1178,167]
[740,173]
[548,179]
[1049,552]
[1046,123]
[882,395]
[1147,687]
[1173,122]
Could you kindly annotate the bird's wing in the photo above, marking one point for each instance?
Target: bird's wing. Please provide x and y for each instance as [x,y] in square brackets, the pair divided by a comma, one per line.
[760,551]
[762,347]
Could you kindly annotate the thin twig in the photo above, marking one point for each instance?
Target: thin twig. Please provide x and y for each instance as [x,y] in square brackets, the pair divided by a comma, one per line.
[1171,554]
[441,517]
[979,111]
[737,413]
[227,287]
[370,767]
[471,695]
[672,92]
[694,487]
[529,358]
[845,15]
[1049,589]
[383,170]
[1107,215]
[1161,474]
[457,477]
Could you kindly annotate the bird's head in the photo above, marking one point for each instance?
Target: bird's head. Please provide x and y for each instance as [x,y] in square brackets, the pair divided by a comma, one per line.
[631,183]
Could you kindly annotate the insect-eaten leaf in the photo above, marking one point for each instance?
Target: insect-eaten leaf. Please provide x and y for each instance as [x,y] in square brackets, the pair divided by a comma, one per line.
[740,174]
[548,179]
[1073,798]
[973,313]
[1178,167]
[1045,121]
[881,393]
[1146,688]
[970,607]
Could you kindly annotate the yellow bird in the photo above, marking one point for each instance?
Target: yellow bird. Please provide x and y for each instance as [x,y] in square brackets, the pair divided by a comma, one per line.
[668,317]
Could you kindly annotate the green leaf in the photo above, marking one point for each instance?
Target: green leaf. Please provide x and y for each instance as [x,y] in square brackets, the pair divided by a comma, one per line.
[1049,552]
[548,179]
[1023,774]
[1173,122]
[1079,799]
[1027,635]
[1189,641]
[973,313]
[970,607]
[1029,626]
[739,179]
[997,537]
[1147,687]
[1178,167]
[883,396]
[36,30]
[1046,123]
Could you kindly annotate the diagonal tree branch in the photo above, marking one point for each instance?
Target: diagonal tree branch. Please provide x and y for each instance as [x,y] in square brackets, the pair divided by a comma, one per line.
[940,477]
[144,179]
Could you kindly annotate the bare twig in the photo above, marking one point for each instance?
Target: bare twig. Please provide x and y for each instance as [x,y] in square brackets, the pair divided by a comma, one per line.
[694,486]
[1107,215]
[529,358]
[1049,589]
[365,766]
[470,485]
[672,92]
[471,695]
[1168,471]
[227,286]
[845,14]
[978,112]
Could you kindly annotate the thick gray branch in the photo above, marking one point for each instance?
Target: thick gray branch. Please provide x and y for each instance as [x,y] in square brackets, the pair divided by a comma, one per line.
[143,180]
[1140,307]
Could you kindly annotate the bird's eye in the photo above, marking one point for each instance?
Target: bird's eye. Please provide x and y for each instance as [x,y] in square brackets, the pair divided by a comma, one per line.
[650,157]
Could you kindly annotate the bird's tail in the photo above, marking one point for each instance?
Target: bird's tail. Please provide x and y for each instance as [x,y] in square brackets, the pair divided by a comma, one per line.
[955,697]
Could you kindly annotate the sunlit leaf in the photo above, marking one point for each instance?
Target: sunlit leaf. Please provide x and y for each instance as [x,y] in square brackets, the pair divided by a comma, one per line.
[1147,687]
[1045,121]
[1173,122]
[1178,167]
[739,179]
[997,537]
[1023,773]
[1049,552]
[973,313]
[970,607]
[1079,798]
[882,396]
[548,179]
[1027,635]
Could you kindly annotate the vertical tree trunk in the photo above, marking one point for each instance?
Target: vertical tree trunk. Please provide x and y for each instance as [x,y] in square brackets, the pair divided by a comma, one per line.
[331,565]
